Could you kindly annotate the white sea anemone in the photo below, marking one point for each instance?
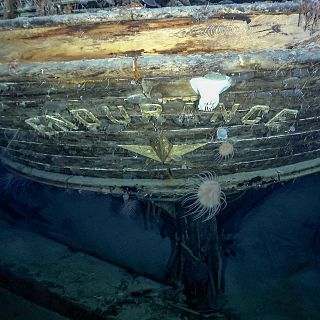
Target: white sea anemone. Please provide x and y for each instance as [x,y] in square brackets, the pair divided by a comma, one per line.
[206,198]
[209,87]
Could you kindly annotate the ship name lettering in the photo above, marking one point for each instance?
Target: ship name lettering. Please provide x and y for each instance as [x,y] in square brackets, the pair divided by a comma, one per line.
[227,115]
[50,125]
[123,112]
[86,118]
[283,115]
[259,111]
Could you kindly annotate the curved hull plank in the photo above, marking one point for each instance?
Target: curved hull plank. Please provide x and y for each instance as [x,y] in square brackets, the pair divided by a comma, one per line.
[193,30]
[91,104]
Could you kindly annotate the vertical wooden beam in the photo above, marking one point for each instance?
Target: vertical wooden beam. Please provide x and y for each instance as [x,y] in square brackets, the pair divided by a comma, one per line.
[9,11]
[198,265]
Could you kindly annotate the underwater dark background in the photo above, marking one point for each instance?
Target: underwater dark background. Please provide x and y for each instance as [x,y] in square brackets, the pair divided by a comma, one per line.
[270,238]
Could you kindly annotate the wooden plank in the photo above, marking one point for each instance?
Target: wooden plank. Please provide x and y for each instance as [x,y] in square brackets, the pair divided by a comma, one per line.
[129,14]
[167,189]
[135,168]
[277,79]
[150,66]
[138,167]
[289,78]
[100,144]
[169,36]
[109,147]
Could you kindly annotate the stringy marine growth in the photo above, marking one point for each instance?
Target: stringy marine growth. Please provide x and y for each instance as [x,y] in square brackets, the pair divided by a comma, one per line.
[206,198]
[310,10]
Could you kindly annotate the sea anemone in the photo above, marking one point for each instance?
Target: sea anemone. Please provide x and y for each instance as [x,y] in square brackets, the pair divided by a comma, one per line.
[206,198]
[209,87]
[225,151]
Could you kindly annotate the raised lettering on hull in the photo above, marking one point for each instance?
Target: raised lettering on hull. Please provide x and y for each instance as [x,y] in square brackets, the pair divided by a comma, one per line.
[125,117]
[188,116]
[50,125]
[226,115]
[255,114]
[280,117]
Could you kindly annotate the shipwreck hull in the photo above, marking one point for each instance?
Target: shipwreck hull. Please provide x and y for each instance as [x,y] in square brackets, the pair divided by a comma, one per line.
[103,101]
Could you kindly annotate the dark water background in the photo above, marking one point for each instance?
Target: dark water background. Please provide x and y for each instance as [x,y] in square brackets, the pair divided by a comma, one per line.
[271,239]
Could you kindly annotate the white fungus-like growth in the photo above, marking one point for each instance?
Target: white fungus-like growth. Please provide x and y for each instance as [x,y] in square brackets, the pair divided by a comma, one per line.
[205,198]
[209,87]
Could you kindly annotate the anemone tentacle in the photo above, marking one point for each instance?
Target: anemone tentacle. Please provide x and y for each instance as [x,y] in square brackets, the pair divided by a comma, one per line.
[205,199]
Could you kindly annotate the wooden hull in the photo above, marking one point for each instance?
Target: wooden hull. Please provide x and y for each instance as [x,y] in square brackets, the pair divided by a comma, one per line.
[90,103]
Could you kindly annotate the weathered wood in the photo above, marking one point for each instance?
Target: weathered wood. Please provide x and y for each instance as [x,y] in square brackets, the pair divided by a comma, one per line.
[79,72]
[234,28]
[167,189]
[85,97]
[128,14]
[121,165]
[106,102]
